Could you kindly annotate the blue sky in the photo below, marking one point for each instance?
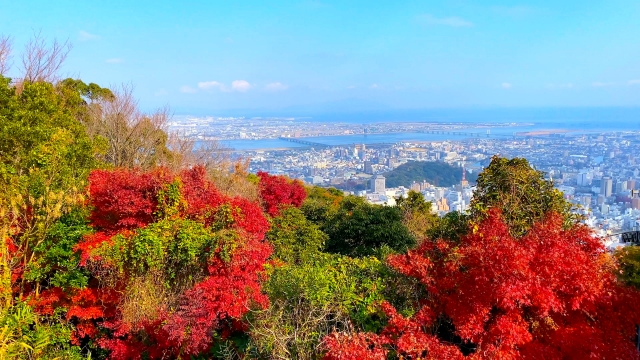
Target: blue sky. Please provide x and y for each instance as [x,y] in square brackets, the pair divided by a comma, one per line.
[215,57]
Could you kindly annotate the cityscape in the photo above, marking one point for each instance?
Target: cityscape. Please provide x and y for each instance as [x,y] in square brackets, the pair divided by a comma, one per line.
[595,171]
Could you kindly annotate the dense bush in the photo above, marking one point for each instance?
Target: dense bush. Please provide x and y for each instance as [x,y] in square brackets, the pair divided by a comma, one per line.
[310,300]
[360,229]
[176,260]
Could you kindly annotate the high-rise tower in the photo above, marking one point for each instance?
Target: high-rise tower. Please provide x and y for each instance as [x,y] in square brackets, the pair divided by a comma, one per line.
[464,183]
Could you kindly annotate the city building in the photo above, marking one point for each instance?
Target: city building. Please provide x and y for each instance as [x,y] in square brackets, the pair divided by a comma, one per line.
[368,168]
[378,184]
[606,186]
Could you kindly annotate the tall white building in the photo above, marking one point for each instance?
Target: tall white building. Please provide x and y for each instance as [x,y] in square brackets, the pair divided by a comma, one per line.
[606,187]
[378,184]
[584,179]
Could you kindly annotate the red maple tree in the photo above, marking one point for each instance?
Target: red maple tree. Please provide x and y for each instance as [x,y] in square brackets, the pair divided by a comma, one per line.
[548,295]
[279,191]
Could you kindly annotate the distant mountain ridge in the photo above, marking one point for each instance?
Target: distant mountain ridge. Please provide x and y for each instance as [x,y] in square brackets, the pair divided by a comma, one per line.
[434,172]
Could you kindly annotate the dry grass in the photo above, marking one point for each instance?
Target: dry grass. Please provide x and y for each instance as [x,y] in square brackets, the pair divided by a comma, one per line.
[145,297]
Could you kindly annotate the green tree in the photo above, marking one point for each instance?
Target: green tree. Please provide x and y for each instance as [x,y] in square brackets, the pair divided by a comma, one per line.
[55,262]
[294,238]
[520,192]
[417,214]
[629,259]
[321,203]
[450,227]
[45,158]
[362,229]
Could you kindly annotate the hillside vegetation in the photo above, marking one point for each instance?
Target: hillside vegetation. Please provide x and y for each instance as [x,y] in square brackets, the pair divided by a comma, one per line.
[434,172]
[119,242]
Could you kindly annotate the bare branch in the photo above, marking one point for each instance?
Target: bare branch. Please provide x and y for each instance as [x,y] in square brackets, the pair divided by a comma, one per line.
[134,139]
[187,152]
[5,54]
[42,61]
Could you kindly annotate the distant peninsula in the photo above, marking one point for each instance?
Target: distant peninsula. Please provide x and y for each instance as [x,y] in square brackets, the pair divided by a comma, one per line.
[434,172]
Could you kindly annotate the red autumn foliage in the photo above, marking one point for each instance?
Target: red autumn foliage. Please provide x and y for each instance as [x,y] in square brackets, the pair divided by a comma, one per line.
[48,301]
[217,303]
[201,195]
[548,295]
[204,199]
[279,191]
[355,346]
[124,200]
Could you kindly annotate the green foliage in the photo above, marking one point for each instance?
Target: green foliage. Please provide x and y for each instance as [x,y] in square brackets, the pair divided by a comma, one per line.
[294,238]
[321,203]
[90,92]
[24,336]
[349,285]
[170,200]
[39,128]
[521,192]
[629,259]
[45,158]
[452,227]
[434,172]
[174,247]
[253,178]
[55,262]
[312,299]
[417,214]
[360,229]
[414,202]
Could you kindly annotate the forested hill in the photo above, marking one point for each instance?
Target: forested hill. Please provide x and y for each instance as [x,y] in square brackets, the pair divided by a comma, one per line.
[434,172]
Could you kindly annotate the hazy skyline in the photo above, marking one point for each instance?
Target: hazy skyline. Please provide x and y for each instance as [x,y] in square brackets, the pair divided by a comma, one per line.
[214,57]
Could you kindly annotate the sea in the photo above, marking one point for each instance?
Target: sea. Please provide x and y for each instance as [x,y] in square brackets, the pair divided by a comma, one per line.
[574,121]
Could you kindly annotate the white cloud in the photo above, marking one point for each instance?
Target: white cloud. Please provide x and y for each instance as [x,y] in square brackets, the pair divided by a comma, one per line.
[208,85]
[114,61]
[161,92]
[276,86]
[187,89]
[351,87]
[452,21]
[86,36]
[634,82]
[240,85]
[236,85]
[375,86]
[506,85]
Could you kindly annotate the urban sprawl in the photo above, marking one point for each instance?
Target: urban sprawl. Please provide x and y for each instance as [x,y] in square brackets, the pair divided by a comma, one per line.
[598,172]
